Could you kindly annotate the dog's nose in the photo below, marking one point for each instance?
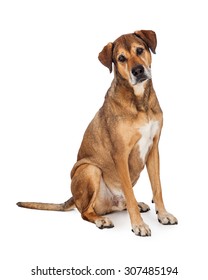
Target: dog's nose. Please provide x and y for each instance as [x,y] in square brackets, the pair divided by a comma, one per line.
[138,70]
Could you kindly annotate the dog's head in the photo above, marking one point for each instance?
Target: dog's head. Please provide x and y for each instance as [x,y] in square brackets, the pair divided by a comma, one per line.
[131,56]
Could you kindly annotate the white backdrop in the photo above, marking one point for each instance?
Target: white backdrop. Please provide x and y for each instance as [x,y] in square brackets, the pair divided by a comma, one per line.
[51,86]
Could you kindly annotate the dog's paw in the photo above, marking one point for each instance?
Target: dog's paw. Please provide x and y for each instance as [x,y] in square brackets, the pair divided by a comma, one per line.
[167,219]
[141,229]
[104,222]
[143,207]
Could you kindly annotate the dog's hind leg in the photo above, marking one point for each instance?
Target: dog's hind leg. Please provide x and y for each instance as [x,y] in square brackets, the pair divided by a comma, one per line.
[85,187]
[143,207]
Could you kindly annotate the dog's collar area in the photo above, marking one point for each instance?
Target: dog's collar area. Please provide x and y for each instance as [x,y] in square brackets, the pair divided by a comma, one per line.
[142,94]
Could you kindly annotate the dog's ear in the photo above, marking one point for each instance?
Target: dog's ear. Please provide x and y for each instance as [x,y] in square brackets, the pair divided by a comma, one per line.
[149,37]
[106,56]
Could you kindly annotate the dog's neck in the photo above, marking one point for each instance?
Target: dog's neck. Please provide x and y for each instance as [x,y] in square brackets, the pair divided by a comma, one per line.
[137,95]
[139,89]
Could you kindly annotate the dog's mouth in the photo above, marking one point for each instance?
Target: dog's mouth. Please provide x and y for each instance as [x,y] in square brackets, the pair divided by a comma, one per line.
[134,81]
[142,79]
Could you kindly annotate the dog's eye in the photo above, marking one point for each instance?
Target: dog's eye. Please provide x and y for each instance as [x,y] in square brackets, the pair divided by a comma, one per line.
[139,51]
[121,58]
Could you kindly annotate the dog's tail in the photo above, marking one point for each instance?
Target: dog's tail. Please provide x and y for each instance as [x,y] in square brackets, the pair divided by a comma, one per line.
[66,206]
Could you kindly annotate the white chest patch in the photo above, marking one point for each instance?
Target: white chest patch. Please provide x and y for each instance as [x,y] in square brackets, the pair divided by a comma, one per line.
[148,132]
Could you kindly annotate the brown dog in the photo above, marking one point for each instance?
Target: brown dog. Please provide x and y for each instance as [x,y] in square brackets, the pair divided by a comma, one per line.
[121,139]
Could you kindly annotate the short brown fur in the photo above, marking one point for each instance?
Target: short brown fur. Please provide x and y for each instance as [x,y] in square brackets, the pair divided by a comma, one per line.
[121,139]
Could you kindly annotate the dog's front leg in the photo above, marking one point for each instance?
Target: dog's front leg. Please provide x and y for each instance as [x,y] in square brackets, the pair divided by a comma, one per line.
[138,225]
[153,168]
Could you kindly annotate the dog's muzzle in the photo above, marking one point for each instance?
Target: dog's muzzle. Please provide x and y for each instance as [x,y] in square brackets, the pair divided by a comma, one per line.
[139,74]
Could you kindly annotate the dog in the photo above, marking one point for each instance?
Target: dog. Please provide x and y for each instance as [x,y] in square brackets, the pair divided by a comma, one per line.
[120,141]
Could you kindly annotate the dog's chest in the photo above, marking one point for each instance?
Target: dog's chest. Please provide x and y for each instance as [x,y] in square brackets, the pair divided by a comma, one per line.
[148,132]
